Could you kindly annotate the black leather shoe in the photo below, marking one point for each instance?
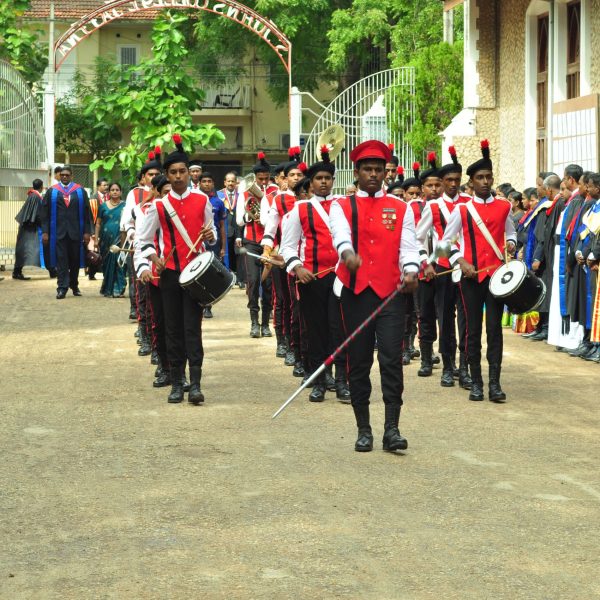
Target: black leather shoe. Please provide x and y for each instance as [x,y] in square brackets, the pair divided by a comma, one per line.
[61,294]
[541,336]
[495,391]
[476,392]
[531,333]
[426,360]
[154,360]
[329,382]
[583,348]
[163,379]
[392,440]
[281,349]
[77,292]
[145,348]
[254,330]
[318,393]
[406,358]
[208,312]
[265,331]
[594,354]
[447,379]
[290,359]
[133,314]
[464,379]
[298,370]
[20,276]
[425,370]
[435,359]
[176,395]
[342,392]
[364,442]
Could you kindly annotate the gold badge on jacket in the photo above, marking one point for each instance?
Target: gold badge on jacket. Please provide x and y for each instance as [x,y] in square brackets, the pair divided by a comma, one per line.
[388,218]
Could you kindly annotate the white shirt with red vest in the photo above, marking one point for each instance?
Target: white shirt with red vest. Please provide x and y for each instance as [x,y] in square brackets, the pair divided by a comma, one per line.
[252,230]
[281,204]
[134,197]
[434,218]
[467,240]
[306,236]
[142,263]
[381,229]
[193,209]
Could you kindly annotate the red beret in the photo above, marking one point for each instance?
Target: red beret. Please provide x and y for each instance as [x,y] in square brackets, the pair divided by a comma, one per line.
[371,149]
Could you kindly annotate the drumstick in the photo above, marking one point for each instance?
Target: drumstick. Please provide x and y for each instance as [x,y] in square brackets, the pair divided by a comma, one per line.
[319,273]
[203,231]
[452,271]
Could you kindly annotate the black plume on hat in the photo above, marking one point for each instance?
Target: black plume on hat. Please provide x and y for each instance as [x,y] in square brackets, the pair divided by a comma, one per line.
[262,166]
[324,164]
[413,181]
[454,166]
[484,163]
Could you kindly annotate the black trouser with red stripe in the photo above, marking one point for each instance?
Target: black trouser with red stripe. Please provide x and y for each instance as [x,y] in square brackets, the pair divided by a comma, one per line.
[144,308]
[388,326]
[297,329]
[321,314]
[281,301]
[183,322]
[474,296]
[255,288]
[158,325]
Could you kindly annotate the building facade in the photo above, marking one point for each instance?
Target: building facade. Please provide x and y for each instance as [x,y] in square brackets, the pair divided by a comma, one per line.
[531,85]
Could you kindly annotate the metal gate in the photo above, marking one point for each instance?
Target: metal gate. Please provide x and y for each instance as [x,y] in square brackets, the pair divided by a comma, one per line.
[22,152]
[368,109]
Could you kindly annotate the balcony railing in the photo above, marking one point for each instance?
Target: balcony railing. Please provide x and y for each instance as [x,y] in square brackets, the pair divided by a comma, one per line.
[228,96]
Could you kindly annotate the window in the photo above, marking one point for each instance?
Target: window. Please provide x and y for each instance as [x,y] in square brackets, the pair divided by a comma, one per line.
[573,48]
[127,55]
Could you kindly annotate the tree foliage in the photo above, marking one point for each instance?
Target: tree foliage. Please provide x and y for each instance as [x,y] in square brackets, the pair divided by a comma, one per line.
[155,98]
[78,131]
[20,47]
[437,98]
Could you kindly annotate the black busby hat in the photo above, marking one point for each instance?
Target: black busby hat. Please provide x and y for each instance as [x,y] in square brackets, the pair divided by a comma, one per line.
[324,164]
[262,166]
[484,163]
[413,181]
[454,166]
[301,186]
[433,170]
[153,161]
[159,181]
[179,155]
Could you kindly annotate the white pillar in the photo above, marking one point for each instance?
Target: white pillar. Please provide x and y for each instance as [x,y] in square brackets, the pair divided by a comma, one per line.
[49,96]
[449,26]
[295,117]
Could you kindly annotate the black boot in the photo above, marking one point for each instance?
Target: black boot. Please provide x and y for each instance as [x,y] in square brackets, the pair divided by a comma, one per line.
[541,336]
[455,371]
[264,330]
[281,350]
[145,345]
[195,395]
[254,326]
[319,388]
[426,364]
[176,394]
[494,389]
[364,442]
[290,357]
[299,370]
[329,380]
[163,378]
[406,351]
[476,383]
[392,440]
[414,353]
[342,390]
[464,379]
[447,379]
[154,360]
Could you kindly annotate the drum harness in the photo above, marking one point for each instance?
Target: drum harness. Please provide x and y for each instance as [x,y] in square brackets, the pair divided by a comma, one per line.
[177,222]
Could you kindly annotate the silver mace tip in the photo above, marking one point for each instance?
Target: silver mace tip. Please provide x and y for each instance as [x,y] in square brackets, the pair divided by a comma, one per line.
[114,249]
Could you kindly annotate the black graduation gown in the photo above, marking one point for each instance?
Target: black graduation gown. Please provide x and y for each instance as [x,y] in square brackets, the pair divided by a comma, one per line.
[545,238]
[575,277]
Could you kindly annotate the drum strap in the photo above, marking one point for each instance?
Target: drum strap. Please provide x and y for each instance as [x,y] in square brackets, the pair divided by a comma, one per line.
[177,222]
[320,210]
[484,230]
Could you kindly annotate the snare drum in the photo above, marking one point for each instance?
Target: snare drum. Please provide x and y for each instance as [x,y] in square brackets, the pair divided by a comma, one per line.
[206,279]
[517,287]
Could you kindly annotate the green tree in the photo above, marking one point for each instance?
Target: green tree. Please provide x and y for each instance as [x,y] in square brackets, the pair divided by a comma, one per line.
[437,98]
[155,98]
[78,131]
[20,47]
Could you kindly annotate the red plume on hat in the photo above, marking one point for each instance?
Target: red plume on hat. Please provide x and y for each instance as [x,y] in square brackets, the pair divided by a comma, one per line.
[261,156]
[416,169]
[391,147]
[400,170]
[303,167]
[452,152]
[157,150]
[432,160]
[325,154]
[178,142]
[151,155]
[294,152]
[485,149]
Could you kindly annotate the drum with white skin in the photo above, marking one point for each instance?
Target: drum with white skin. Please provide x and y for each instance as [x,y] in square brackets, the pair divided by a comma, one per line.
[517,287]
[206,279]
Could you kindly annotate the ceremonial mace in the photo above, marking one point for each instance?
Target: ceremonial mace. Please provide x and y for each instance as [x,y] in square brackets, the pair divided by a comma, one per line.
[441,250]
